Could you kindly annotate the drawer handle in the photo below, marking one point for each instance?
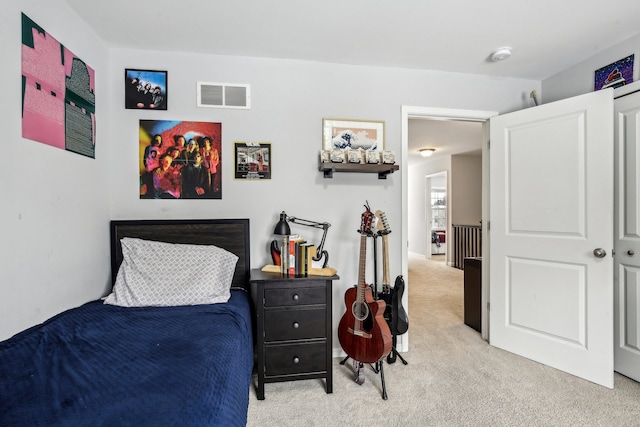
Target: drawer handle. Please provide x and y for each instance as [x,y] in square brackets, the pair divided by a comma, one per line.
[296,360]
[296,325]
[296,297]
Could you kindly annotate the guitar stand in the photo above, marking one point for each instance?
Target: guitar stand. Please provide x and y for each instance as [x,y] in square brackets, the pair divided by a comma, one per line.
[391,357]
[377,368]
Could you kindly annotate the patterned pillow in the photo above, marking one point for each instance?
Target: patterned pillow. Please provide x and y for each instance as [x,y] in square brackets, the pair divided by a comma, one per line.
[164,274]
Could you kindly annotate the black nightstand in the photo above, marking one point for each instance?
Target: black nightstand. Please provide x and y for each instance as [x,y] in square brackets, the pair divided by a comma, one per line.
[293,328]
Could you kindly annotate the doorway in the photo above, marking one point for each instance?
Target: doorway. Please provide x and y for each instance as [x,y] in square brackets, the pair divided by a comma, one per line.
[437,220]
[454,115]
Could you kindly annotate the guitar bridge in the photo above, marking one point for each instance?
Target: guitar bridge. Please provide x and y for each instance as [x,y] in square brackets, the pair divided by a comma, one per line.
[359,333]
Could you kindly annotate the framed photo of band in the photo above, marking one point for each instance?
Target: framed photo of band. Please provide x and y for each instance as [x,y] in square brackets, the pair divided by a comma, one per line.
[145,89]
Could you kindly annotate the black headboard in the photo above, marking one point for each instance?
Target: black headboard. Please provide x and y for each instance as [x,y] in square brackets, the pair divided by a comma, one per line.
[230,234]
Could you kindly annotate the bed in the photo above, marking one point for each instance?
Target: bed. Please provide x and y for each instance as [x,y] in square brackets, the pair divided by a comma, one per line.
[108,364]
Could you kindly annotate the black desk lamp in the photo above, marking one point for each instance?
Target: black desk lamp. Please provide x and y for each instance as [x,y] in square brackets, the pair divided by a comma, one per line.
[282,228]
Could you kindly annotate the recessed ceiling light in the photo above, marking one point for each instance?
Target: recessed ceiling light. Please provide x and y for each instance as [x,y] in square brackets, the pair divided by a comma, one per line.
[501,54]
[426,152]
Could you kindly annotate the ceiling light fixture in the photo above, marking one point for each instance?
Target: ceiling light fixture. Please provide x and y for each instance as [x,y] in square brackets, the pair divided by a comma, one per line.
[426,152]
[501,54]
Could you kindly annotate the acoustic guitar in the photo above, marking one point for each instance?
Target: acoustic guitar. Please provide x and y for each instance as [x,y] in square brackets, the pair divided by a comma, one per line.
[395,312]
[363,333]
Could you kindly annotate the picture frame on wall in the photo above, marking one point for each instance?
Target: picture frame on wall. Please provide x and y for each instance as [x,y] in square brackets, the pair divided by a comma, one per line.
[367,135]
[252,160]
[145,89]
[614,75]
[180,159]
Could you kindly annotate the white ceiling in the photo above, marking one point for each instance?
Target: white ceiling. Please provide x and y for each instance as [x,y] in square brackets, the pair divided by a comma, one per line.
[546,36]
[446,137]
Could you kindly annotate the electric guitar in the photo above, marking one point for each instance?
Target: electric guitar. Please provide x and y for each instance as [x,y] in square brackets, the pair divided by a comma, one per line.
[363,333]
[394,313]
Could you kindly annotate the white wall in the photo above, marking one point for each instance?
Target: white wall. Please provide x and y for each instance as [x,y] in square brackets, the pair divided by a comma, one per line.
[48,268]
[579,79]
[466,190]
[54,251]
[464,198]
[289,101]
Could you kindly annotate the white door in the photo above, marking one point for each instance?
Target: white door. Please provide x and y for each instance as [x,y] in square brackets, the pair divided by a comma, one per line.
[626,322]
[551,217]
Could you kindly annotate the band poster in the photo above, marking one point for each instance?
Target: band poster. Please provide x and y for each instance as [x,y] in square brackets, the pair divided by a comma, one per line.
[58,93]
[145,89]
[252,160]
[180,160]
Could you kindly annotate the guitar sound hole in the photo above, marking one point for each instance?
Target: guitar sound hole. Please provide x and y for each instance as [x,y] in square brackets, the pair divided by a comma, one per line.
[360,311]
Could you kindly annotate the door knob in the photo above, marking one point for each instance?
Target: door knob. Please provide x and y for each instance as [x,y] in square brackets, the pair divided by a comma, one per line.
[630,252]
[599,253]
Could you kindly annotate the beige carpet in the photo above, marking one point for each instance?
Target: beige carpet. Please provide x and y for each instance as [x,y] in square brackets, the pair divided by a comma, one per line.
[453,378]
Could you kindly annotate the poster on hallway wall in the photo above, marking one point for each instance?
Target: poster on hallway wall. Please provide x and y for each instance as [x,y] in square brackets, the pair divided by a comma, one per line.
[614,75]
[252,160]
[58,93]
[180,160]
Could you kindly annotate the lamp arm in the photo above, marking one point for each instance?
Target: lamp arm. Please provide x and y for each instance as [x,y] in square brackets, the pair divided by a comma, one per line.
[319,250]
[308,222]
[315,224]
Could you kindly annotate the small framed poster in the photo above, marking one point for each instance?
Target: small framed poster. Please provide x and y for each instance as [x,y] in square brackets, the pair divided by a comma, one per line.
[252,160]
[614,75]
[367,135]
[145,89]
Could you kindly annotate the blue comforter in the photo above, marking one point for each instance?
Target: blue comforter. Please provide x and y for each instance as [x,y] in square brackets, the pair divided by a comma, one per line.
[150,366]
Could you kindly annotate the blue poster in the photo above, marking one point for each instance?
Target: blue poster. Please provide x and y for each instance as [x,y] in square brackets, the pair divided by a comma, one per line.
[614,75]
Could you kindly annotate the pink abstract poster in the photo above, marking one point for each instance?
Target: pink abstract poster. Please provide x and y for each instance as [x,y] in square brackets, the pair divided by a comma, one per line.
[58,93]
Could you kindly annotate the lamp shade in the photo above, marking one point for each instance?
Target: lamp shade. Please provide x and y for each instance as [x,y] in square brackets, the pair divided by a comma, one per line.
[282,227]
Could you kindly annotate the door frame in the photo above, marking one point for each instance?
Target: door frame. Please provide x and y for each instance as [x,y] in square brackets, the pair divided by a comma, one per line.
[429,216]
[622,361]
[453,115]
[428,188]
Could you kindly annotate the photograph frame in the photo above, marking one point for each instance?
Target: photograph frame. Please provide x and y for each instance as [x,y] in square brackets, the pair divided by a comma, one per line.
[616,74]
[195,169]
[353,133]
[252,160]
[138,97]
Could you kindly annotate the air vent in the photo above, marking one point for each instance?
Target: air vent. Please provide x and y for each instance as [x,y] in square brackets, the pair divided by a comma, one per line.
[224,95]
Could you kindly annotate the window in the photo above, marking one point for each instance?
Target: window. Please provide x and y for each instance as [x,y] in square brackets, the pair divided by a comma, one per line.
[438,209]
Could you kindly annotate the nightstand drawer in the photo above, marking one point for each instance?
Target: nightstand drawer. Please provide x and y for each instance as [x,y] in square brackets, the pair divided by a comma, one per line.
[295,296]
[296,324]
[295,358]
[293,328]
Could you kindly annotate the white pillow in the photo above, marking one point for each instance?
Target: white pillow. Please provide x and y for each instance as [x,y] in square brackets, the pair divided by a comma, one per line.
[164,274]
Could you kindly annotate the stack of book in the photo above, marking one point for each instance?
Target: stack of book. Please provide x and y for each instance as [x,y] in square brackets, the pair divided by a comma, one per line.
[296,256]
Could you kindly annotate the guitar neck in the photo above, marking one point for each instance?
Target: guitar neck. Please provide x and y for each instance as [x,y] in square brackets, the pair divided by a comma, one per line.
[384,230]
[385,261]
[362,267]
